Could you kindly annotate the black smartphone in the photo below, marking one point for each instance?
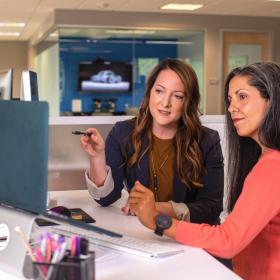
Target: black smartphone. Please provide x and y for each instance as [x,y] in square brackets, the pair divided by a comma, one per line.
[80,215]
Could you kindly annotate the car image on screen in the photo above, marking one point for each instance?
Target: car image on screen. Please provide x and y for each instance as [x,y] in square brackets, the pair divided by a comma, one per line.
[106,76]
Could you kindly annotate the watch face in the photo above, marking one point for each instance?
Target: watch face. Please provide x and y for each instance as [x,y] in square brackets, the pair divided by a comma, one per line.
[163,221]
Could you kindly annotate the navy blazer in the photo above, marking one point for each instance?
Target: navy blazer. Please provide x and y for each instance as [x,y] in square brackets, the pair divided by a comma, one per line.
[205,203]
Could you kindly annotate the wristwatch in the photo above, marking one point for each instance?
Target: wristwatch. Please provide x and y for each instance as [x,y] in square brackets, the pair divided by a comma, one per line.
[163,222]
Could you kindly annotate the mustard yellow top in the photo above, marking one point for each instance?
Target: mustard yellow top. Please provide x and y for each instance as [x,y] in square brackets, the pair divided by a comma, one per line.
[162,163]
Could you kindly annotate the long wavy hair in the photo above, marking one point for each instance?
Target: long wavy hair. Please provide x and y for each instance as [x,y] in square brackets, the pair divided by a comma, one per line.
[244,152]
[188,155]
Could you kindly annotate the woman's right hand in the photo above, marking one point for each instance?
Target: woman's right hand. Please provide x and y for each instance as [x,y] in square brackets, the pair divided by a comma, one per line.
[94,144]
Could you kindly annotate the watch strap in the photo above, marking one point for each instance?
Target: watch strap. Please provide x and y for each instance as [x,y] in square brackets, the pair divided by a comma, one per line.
[159,231]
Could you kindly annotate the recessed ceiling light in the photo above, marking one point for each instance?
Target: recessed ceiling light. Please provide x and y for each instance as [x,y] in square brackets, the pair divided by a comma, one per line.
[185,7]
[12,24]
[15,34]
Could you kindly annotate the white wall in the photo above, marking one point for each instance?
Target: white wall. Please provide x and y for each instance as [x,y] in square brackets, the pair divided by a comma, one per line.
[47,67]
[14,55]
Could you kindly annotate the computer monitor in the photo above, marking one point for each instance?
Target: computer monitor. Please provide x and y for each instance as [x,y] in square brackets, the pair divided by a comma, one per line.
[29,86]
[6,84]
[24,166]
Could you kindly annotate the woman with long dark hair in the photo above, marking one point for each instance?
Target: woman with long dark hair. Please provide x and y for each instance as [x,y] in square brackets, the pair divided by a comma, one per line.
[251,232]
[165,148]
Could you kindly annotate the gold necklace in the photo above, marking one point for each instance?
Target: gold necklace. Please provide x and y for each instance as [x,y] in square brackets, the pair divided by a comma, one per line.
[155,178]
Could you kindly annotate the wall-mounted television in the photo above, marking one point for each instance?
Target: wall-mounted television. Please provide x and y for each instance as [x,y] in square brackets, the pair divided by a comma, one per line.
[105,76]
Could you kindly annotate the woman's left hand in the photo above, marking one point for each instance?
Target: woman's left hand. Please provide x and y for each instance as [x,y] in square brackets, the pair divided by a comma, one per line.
[142,203]
[126,210]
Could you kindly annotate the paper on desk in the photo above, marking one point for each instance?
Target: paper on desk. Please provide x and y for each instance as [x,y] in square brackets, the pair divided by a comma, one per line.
[102,254]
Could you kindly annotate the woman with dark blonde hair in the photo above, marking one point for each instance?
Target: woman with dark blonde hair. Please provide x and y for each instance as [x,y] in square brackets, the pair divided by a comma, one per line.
[165,148]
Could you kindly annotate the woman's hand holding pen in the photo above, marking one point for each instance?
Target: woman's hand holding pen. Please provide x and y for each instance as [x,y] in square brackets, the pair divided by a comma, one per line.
[93,143]
[142,203]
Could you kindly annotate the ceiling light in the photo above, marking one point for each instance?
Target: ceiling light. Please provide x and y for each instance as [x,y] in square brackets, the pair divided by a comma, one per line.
[9,34]
[12,24]
[182,7]
[118,31]
[54,35]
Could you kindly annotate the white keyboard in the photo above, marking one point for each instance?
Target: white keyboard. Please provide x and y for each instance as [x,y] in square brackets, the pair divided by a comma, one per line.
[124,244]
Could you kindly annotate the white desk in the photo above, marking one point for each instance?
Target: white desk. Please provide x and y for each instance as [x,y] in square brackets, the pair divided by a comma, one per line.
[194,263]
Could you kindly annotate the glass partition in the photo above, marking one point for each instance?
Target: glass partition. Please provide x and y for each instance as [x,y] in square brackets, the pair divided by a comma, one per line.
[102,71]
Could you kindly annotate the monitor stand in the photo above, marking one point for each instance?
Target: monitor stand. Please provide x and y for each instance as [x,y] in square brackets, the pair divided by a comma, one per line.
[12,252]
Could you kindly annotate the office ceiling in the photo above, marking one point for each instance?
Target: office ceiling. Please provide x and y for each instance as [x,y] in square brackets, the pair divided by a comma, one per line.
[34,12]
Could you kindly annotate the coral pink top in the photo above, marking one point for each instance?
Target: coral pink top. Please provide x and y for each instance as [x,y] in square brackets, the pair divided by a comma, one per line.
[251,233]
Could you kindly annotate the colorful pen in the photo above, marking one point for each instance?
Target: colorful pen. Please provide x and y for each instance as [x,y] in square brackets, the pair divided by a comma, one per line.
[73,244]
[40,258]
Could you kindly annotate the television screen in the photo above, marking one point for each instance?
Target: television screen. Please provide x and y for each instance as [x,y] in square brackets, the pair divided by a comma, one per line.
[105,76]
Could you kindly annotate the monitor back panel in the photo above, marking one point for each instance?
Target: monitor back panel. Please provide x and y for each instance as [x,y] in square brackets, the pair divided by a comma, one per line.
[24,155]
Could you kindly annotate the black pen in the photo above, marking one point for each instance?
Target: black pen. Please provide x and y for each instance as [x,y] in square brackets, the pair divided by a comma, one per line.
[79,132]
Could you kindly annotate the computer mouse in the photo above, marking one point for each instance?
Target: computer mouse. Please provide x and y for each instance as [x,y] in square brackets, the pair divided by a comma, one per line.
[62,210]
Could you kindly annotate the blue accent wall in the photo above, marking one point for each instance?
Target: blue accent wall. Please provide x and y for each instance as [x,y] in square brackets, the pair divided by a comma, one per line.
[74,50]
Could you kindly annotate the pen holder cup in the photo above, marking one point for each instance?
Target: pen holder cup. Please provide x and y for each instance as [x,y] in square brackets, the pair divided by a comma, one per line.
[70,268]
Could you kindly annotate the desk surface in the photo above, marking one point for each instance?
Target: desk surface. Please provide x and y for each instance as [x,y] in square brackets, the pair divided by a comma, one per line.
[194,263]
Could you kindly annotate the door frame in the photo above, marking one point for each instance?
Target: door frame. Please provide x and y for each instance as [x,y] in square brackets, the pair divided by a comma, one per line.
[263,38]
